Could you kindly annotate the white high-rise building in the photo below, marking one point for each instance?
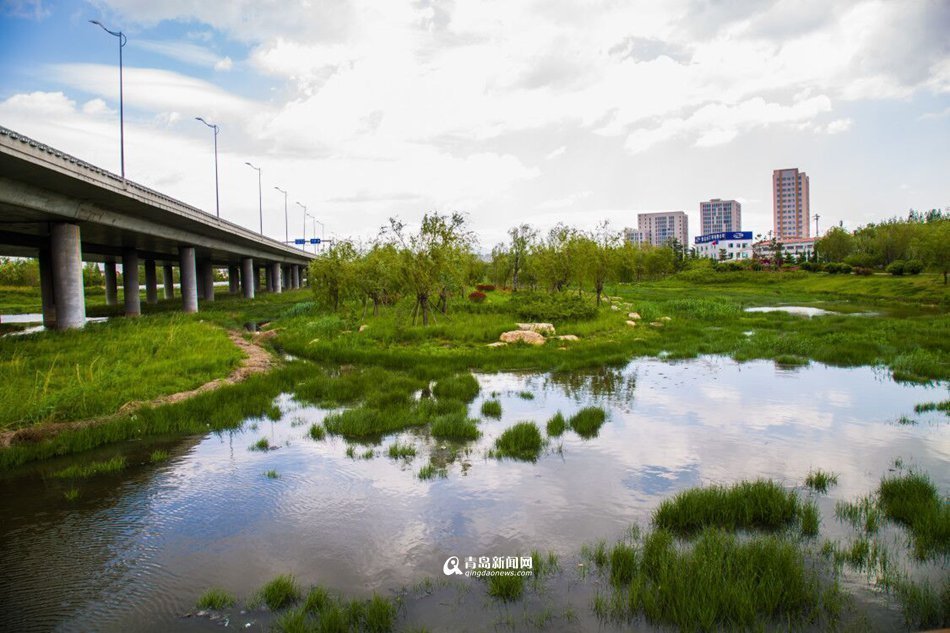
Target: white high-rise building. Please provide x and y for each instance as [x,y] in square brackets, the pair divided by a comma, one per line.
[660,228]
[720,216]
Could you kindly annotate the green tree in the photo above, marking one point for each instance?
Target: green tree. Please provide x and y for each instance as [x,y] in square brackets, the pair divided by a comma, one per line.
[431,261]
[522,239]
[933,246]
[835,245]
[552,258]
[333,274]
[376,275]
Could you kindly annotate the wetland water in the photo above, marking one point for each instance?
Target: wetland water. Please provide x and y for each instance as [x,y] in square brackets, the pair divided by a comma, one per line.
[137,548]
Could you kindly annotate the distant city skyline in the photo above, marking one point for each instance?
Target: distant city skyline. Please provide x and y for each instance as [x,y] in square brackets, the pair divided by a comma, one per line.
[509,111]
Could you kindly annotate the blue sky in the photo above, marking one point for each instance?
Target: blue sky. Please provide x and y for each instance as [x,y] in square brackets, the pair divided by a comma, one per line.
[511,111]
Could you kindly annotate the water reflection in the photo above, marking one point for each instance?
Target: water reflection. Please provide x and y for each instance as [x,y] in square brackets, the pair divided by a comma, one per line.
[137,550]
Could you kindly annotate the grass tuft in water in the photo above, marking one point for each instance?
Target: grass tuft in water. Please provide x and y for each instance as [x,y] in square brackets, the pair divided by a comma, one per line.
[542,566]
[810,519]
[623,564]
[158,456]
[317,432]
[506,588]
[293,621]
[863,514]
[280,592]
[272,474]
[402,451]
[215,599]
[72,494]
[491,409]
[463,387]
[912,500]
[923,605]
[556,425]
[521,441]
[351,451]
[454,426]
[933,406]
[260,445]
[720,582]
[757,505]
[526,395]
[82,471]
[379,615]
[430,470]
[368,454]
[820,481]
[587,422]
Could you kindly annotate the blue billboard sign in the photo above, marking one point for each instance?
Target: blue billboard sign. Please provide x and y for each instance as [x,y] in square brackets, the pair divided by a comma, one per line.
[300,240]
[720,237]
[314,240]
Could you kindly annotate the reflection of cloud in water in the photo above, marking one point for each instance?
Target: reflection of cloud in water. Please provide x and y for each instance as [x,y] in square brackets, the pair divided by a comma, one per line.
[212,517]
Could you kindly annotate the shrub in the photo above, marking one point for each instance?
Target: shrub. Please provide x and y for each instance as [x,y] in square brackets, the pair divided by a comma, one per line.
[860,270]
[476,297]
[552,307]
[485,287]
[914,267]
[895,268]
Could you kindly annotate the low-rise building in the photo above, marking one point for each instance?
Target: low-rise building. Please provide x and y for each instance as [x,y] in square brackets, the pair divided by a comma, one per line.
[792,248]
[725,246]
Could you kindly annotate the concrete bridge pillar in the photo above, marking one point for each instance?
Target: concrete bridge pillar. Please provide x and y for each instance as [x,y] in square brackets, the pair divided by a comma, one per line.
[275,274]
[207,279]
[130,282]
[189,279]
[247,277]
[112,295]
[46,290]
[66,268]
[168,276]
[151,282]
[295,276]
[234,282]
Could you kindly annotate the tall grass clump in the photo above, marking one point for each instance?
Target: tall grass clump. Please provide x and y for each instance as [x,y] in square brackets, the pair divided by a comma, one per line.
[863,514]
[587,421]
[924,606]
[756,505]
[82,471]
[463,387]
[262,444]
[556,425]
[280,592]
[721,583]
[215,599]
[810,519]
[506,588]
[912,500]
[521,441]
[317,432]
[364,422]
[820,481]
[491,409]
[454,426]
[158,456]
[623,564]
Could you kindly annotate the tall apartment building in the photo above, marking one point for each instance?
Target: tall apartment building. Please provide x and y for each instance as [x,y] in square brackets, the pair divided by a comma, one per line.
[790,203]
[660,228]
[720,216]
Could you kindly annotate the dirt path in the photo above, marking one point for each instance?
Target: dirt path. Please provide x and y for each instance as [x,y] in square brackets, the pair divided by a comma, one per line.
[258,360]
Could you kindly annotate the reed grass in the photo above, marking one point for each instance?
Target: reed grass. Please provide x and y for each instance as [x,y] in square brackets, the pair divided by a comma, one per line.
[280,592]
[454,426]
[556,425]
[756,505]
[505,588]
[912,500]
[820,481]
[491,409]
[463,387]
[402,451]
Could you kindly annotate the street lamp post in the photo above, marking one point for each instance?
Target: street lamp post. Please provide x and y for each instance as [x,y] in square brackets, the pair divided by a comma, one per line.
[323,230]
[314,229]
[217,198]
[304,207]
[260,202]
[122,41]
[286,226]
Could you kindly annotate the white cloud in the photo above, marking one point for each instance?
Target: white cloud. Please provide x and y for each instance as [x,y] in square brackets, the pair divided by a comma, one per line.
[185,52]
[555,153]
[839,125]
[567,201]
